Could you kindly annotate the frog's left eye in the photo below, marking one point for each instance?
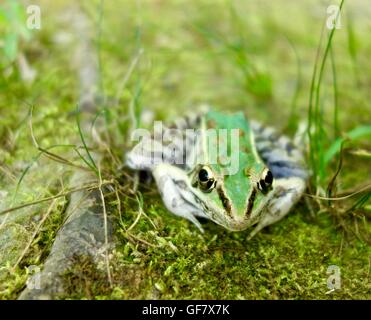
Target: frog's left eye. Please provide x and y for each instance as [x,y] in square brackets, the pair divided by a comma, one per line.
[206,179]
[266,181]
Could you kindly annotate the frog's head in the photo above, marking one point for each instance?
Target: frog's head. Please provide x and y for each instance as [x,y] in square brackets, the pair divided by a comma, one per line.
[233,201]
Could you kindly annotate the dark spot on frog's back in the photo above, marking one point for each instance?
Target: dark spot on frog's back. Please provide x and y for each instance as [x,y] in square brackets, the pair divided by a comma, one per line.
[211,124]
[289,147]
[273,137]
[244,149]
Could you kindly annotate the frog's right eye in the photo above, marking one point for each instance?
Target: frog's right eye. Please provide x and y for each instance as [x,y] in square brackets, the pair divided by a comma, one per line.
[266,181]
[206,179]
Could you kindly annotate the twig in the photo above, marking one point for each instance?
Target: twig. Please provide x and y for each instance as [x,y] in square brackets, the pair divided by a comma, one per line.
[105,227]
[52,197]
[138,216]
[34,234]
[131,236]
[365,188]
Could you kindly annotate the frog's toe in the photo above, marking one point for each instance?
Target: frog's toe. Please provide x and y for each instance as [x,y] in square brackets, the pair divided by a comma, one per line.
[194,220]
[255,231]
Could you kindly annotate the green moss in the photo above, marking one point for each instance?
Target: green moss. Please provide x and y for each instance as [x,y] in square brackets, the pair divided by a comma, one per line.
[287,261]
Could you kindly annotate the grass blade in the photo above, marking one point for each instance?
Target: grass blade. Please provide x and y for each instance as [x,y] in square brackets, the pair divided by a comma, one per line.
[352,135]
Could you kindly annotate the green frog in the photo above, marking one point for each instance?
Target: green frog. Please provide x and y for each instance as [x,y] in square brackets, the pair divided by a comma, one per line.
[224,168]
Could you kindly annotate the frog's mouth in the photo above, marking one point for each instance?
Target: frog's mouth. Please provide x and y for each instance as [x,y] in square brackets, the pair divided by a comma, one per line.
[226,216]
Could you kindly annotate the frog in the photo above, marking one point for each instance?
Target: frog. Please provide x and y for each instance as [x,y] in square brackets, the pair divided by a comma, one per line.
[267,179]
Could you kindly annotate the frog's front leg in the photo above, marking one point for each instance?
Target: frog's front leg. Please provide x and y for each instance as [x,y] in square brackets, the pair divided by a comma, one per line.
[172,184]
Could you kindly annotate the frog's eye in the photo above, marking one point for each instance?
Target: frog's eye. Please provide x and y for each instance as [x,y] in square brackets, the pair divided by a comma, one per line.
[265,181]
[206,179]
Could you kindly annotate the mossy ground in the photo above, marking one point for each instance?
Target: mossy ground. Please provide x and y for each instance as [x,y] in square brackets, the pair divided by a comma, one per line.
[255,56]
[287,261]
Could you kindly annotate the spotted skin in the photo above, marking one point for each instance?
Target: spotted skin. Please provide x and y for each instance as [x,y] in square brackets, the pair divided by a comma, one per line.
[279,153]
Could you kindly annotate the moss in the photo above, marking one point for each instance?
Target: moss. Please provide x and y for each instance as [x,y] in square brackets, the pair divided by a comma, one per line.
[287,261]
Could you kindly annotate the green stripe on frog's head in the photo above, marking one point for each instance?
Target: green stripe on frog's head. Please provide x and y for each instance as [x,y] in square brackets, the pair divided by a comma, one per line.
[234,169]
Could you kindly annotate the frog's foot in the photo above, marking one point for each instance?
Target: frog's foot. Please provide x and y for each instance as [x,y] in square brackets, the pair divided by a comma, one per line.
[287,191]
[172,185]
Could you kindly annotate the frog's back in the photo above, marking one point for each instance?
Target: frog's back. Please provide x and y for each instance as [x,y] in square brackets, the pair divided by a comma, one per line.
[259,142]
